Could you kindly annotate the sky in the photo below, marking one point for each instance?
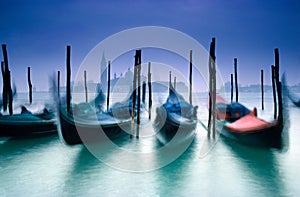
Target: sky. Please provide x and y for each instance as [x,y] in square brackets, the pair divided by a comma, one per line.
[37,32]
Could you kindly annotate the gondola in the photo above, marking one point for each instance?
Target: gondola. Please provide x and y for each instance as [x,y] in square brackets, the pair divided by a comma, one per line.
[238,123]
[289,93]
[27,124]
[91,128]
[295,101]
[87,123]
[175,120]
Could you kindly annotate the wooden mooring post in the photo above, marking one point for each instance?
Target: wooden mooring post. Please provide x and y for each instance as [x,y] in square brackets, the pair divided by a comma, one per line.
[108,86]
[149,89]
[10,97]
[212,90]
[274,91]
[278,85]
[133,94]
[231,88]
[170,81]
[190,76]
[58,86]
[139,67]
[29,85]
[262,88]
[7,94]
[68,88]
[4,91]
[174,83]
[236,80]
[85,86]
[144,92]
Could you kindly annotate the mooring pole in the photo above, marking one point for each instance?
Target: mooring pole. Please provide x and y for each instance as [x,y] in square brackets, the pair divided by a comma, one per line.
[85,86]
[174,83]
[191,74]
[170,81]
[139,66]
[278,85]
[58,86]
[5,71]
[149,89]
[10,98]
[231,88]
[4,90]
[108,86]
[236,81]
[274,91]
[262,89]
[144,92]
[68,78]
[209,95]
[133,94]
[8,94]
[29,85]
[212,89]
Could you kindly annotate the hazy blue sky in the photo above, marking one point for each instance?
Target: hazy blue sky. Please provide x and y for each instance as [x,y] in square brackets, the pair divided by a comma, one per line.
[37,31]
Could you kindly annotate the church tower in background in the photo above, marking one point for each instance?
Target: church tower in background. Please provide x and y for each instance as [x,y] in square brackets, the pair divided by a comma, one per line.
[103,73]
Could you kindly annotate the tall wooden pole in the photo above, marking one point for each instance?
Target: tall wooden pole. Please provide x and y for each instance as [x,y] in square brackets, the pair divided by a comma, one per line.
[5,70]
[191,74]
[85,86]
[231,88]
[4,90]
[170,81]
[174,83]
[274,91]
[144,92]
[58,85]
[139,65]
[262,88]
[149,89]
[134,93]
[108,86]
[212,88]
[236,81]
[8,94]
[29,84]
[68,78]
[10,98]
[209,95]
[278,85]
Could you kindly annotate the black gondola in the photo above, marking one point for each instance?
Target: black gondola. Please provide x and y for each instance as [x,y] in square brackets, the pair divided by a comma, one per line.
[238,123]
[175,119]
[27,123]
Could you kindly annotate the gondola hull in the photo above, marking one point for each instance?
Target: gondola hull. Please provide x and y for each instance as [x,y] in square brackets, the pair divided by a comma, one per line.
[74,131]
[22,125]
[266,137]
[170,127]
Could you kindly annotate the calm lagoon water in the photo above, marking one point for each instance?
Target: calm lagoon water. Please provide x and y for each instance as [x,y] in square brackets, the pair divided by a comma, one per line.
[47,167]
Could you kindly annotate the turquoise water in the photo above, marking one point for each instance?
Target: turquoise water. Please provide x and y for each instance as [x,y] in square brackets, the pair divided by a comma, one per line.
[47,167]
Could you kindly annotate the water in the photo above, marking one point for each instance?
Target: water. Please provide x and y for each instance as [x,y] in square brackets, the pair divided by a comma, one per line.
[47,167]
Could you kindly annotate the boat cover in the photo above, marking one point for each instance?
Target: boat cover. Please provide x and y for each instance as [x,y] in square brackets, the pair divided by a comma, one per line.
[248,123]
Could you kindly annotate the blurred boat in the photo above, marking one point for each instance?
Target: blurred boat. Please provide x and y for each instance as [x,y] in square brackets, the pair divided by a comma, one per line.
[295,101]
[238,123]
[27,123]
[292,96]
[88,123]
[175,120]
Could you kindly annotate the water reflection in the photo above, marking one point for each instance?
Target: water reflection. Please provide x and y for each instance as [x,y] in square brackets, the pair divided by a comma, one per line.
[12,147]
[261,167]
